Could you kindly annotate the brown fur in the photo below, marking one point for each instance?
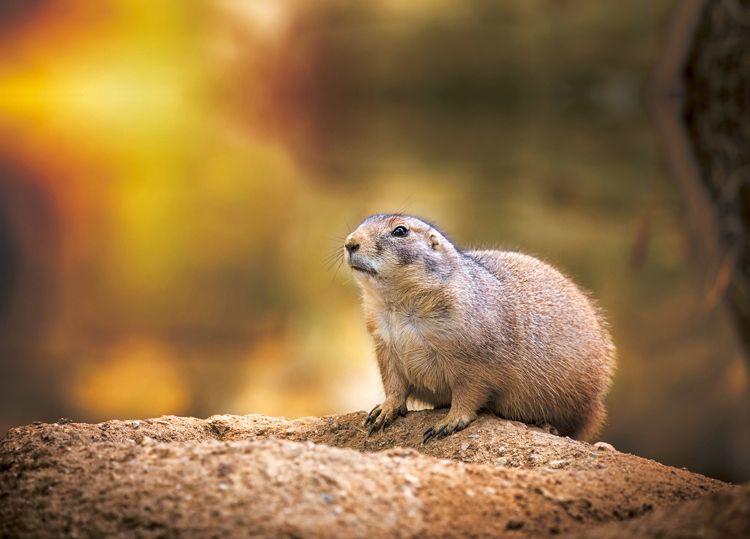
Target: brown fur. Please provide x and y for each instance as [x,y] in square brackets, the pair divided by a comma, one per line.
[478,329]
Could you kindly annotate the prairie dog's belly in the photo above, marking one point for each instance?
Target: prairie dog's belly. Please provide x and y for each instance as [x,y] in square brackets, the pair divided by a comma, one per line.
[419,361]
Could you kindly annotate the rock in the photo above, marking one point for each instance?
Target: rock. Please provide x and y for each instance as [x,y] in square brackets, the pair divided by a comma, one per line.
[716,516]
[236,476]
[604,446]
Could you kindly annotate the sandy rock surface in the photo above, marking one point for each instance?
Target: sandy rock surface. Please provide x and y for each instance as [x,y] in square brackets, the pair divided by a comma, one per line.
[324,477]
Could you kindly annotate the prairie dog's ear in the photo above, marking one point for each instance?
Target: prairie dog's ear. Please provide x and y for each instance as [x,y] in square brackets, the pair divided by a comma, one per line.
[434,241]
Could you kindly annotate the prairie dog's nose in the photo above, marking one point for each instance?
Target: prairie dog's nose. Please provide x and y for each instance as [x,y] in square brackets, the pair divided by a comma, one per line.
[351,244]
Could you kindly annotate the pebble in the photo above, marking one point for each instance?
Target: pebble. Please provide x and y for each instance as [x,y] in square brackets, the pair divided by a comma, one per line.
[557,463]
[411,479]
[604,446]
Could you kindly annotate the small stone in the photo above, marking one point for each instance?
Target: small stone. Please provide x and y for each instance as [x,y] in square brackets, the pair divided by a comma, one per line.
[136,424]
[502,461]
[464,446]
[557,463]
[501,450]
[327,498]
[604,446]
[411,479]
[223,486]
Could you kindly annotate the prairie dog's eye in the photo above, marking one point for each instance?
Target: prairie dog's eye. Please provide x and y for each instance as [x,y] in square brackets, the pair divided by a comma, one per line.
[400,231]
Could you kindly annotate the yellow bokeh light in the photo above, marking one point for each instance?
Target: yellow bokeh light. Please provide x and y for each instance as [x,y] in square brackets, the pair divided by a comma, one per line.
[128,85]
[138,378]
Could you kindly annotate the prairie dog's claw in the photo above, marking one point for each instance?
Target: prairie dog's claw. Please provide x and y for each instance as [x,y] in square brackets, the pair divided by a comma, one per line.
[372,416]
[383,415]
[448,426]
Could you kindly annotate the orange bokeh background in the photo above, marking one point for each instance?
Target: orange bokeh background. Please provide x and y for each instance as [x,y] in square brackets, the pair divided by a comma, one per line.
[175,176]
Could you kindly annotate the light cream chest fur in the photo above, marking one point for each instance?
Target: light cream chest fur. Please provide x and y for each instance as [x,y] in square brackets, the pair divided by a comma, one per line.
[414,343]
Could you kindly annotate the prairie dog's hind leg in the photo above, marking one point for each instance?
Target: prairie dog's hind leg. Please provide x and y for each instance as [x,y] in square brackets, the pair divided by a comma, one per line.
[547,427]
[501,409]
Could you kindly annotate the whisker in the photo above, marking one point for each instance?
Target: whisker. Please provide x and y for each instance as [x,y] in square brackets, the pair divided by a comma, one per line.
[334,252]
[331,259]
[337,250]
[329,264]
[405,204]
[336,273]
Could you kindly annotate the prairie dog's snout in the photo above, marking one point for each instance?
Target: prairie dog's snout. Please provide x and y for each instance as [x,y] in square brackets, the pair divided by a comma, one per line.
[353,242]
[351,246]
[356,256]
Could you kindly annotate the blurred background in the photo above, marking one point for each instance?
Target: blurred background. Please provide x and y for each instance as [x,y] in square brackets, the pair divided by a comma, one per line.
[175,176]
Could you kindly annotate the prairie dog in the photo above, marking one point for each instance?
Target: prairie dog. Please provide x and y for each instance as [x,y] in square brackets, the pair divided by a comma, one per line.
[472,330]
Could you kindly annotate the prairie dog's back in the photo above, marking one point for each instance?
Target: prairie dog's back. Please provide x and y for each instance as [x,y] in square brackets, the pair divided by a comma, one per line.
[563,342]
[539,284]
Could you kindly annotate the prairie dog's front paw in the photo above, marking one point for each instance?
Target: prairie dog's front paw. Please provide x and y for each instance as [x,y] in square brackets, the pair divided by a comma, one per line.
[383,415]
[452,423]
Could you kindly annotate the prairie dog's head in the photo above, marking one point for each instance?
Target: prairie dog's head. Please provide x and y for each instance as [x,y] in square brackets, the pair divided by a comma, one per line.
[394,251]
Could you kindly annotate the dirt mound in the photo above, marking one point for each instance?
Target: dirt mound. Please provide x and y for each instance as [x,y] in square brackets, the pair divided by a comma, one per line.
[323,477]
[717,516]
